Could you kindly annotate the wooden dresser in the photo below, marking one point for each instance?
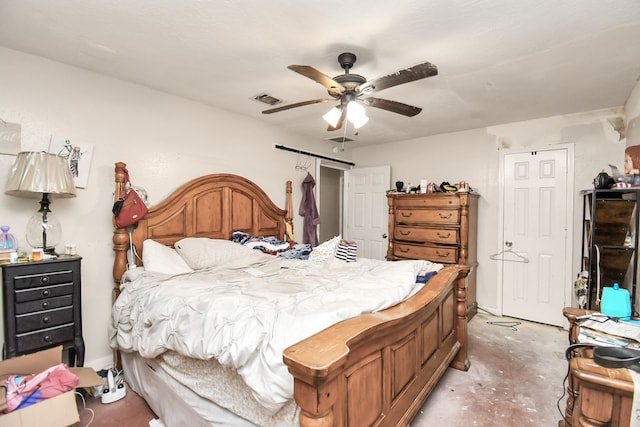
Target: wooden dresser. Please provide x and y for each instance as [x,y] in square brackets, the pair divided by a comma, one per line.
[437,227]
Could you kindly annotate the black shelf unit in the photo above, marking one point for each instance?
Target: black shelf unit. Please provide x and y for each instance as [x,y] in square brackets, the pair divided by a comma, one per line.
[610,241]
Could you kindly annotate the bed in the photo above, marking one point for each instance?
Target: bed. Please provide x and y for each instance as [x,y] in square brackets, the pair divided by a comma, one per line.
[375,368]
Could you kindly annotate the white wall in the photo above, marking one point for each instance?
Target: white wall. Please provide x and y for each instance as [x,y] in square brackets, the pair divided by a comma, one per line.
[474,156]
[164,140]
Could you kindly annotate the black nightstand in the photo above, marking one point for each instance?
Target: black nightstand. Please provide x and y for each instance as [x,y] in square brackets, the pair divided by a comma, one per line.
[42,307]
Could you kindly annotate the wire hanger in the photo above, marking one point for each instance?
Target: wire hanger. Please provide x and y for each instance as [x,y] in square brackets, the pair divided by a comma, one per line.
[501,256]
[302,166]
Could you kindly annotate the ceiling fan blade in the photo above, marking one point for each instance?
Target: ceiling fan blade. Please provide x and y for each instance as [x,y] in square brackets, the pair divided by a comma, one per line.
[340,121]
[297,104]
[315,75]
[393,106]
[407,75]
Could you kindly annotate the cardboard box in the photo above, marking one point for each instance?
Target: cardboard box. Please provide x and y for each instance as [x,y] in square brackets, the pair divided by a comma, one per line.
[59,411]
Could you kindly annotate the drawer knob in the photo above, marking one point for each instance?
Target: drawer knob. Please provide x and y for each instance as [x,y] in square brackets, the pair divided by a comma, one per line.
[442,255]
[46,292]
[406,214]
[443,216]
[443,236]
[45,304]
[405,233]
[46,338]
[45,319]
[44,279]
[405,250]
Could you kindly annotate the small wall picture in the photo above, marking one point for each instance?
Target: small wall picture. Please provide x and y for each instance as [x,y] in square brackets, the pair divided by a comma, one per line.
[78,155]
[10,136]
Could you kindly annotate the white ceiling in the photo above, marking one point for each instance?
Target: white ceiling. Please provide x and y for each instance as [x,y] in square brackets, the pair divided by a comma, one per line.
[499,61]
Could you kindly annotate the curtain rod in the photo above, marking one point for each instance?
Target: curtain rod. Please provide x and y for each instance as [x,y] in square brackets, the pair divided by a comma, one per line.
[319,156]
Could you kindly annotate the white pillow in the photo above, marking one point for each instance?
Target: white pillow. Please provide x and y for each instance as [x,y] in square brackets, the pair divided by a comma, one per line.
[325,250]
[162,259]
[201,252]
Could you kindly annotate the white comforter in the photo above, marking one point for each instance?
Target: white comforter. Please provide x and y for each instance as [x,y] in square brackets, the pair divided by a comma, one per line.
[246,313]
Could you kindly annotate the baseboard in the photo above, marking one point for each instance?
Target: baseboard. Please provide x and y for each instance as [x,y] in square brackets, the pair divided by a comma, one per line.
[98,364]
[490,310]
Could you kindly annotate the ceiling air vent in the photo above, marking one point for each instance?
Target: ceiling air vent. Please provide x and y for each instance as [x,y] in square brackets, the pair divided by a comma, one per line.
[340,139]
[267,99]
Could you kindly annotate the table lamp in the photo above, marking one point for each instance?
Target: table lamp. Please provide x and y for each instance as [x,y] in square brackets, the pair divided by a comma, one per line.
[35,173]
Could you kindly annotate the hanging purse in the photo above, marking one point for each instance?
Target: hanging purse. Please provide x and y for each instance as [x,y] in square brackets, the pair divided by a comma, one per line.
[129,208]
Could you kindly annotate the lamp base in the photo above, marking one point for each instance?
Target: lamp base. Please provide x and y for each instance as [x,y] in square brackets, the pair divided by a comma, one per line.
[50,251]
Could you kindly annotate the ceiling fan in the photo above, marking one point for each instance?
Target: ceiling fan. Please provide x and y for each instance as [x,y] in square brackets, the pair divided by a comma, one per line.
[348,88]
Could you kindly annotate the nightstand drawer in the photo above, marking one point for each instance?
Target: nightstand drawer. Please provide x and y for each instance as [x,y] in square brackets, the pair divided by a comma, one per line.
[44,292]
[44,304]
[441,254]
[43,319]
[432,235]
[428,216]
[43,279]
[44,338]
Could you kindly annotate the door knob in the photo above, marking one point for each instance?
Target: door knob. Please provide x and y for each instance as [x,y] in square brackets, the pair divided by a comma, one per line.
[384,236]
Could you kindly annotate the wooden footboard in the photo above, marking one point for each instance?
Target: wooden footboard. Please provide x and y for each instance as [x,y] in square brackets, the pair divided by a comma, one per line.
[377,369]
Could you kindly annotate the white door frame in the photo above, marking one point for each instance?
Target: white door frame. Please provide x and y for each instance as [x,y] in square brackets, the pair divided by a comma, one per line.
[568,294]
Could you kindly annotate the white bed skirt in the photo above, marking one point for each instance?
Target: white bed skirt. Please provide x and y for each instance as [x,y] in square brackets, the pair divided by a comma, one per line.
[175,404]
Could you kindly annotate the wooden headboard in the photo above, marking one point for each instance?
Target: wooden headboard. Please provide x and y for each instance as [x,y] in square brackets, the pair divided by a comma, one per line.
[212,206]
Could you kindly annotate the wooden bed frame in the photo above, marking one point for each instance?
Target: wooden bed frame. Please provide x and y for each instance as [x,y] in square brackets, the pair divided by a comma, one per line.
[375,369]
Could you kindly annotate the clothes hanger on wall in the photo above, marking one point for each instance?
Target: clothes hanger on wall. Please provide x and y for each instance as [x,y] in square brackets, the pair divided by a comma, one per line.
[509,255]
[302,166]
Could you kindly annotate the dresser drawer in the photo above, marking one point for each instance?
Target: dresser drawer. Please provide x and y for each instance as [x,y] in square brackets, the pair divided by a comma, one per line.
[44,292]
[44,304]
[44,338]
[446,236]
[428,216]
[443,254]
[43,279]
[43,319]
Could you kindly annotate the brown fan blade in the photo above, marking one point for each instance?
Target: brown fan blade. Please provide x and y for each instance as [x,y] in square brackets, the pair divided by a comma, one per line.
[407,75]
[297,104]
[393,106]
[340,121]
[332,86]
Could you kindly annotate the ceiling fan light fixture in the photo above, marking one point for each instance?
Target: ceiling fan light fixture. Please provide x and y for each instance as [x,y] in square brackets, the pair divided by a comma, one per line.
[356,114]
[333,116]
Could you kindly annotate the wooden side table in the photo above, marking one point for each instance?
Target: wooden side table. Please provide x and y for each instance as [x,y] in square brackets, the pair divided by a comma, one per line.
[597,396]
[42,307]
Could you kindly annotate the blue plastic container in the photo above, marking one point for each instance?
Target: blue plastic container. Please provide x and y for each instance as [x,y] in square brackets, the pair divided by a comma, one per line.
[616,302]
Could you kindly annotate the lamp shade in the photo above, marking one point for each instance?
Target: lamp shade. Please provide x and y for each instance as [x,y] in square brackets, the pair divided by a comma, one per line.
[333,116]
[356,114]
[41,174]
[34,173]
